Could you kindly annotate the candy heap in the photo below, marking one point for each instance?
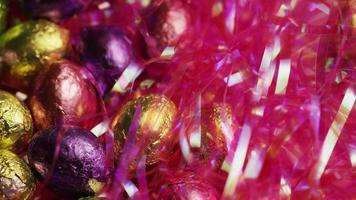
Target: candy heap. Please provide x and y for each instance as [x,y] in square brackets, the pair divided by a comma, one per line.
[177,99]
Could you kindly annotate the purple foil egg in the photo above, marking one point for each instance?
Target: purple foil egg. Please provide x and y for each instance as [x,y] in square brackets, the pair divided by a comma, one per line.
[70,160]
[107,51]
[54,10]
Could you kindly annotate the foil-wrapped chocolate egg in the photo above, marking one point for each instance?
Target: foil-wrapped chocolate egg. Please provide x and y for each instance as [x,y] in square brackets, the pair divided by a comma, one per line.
[187,186]
[64,94]
[168,23]
[16,178]
[106,46]
[70,160]
[3,14]
[26,47]
[107,51]
[54,9]
[16,126]
[217,126]
[155,119]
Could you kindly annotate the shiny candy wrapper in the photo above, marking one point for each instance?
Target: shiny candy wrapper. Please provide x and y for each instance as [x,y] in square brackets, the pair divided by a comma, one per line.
[26,47]
[286,67]
[16,126]
[16,178]
[63,93]
[150,119]
[77,169]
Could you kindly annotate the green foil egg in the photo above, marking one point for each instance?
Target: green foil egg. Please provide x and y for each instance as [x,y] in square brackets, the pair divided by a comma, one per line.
[16,126]
[3,14]
[28,46]
[16,178]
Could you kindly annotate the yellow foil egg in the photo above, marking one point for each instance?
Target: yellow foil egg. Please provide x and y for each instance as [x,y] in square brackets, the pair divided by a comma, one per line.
[27,46]
[155,119]
[16,126]
[16,179]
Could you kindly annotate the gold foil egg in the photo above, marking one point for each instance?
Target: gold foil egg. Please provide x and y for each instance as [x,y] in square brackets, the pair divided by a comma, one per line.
[16,124]
[16,179]
[3,13]
[217,127]
[155,119]
[221,119]
[27,46]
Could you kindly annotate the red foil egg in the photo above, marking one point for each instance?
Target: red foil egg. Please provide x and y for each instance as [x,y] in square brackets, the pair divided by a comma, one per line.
[64,94]
[168,24]
[187,186]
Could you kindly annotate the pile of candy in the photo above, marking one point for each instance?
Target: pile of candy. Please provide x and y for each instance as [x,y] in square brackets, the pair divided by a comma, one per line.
[177,99]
